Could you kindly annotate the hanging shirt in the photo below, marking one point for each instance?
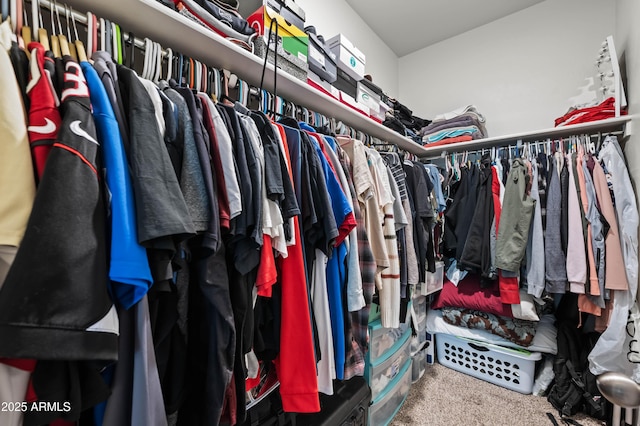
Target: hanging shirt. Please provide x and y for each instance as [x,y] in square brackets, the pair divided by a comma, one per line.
[128,266]
[187,164]
[535,244]
[611,351]
[79,218]
[160,206]
[390,277]
[44,117]
[576,250]
[367,264]
[17,185]
[615,277]
[296,361]
[555,262]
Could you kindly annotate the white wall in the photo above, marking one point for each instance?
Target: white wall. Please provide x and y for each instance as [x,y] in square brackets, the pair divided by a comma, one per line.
[519,70]
[627,40]
[331,17]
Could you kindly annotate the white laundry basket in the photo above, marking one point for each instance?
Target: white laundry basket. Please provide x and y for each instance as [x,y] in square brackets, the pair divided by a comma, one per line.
[510,368]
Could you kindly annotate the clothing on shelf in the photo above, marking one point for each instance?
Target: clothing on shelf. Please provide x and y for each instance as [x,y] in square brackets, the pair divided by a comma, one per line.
[461,125]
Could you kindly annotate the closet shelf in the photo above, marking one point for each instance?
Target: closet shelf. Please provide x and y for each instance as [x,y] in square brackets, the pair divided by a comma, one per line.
[610,124]
[149,18]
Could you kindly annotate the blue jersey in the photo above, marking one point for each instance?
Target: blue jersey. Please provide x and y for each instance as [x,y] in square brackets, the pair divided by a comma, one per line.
[129,270]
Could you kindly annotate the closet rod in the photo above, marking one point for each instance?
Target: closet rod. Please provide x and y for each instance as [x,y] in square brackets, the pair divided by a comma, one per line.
[607,125]
[82,19]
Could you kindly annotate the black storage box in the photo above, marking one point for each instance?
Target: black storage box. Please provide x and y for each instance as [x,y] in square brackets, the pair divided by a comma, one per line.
[346,83]
[321,60]
[348,406]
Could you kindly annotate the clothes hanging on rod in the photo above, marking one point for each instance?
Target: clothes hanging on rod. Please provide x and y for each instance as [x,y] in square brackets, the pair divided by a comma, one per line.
[231,245]
[565,209]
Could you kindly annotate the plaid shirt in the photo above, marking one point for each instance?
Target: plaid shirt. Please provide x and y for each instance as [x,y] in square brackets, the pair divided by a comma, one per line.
[358,322]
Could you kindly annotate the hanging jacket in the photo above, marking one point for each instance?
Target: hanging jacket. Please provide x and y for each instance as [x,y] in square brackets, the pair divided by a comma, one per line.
[63,304]
[517,211]
[476,255]
[555,262]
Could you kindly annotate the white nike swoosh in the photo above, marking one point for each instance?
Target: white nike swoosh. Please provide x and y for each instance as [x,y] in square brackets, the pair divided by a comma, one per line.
[75,128]
[47,129]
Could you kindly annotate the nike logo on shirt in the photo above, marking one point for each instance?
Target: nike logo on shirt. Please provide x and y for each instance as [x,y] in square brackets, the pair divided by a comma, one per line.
[76,129]
[47,129]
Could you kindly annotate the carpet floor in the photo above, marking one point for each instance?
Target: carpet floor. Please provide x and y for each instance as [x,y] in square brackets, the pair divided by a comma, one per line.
[447,397]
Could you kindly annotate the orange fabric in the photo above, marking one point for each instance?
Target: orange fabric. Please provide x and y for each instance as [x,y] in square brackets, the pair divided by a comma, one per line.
[593,287]
[615,272]
[586,305]
[447,141]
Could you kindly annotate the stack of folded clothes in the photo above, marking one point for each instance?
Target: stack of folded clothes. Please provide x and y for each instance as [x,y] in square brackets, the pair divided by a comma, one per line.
[461,125]
[402,120]
[220,16]
[606,109]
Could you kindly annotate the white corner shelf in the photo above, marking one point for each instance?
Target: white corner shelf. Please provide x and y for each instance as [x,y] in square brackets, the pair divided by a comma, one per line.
[607,125]
[149,18]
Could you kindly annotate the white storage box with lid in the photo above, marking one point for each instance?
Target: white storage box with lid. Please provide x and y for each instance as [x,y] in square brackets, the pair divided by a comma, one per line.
[386,406]
[381,339]
[350,59]
[382,372]
[368,97]
[510,368]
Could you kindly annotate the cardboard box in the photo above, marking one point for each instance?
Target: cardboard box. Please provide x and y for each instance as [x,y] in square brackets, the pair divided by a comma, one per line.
[322,61]
[288,9]
[345,83]
[348,100]
[286,61]
[317,82]
[350,58]
[291,38]
[368,97]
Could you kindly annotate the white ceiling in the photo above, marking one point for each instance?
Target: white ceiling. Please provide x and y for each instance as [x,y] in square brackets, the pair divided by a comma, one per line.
[409,25]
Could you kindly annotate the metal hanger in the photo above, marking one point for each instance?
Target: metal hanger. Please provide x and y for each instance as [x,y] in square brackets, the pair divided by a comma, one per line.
[25,31]
[71,46]
[54,39]
[81,52]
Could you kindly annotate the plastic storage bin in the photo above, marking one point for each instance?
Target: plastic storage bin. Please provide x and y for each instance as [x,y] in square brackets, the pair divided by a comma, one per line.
[384,409]
[510,368]
[434,280]
[382,372]
[420,310]
[418,365]
[383,339]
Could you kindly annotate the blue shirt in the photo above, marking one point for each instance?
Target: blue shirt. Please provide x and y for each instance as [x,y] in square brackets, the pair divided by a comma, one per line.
[336,265]
[129,270]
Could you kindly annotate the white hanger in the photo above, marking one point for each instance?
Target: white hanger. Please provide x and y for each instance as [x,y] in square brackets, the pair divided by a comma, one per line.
[158,65]
[35,15]
[148,52]
[103,34]
[169,63]
[13,14]
[114,42]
